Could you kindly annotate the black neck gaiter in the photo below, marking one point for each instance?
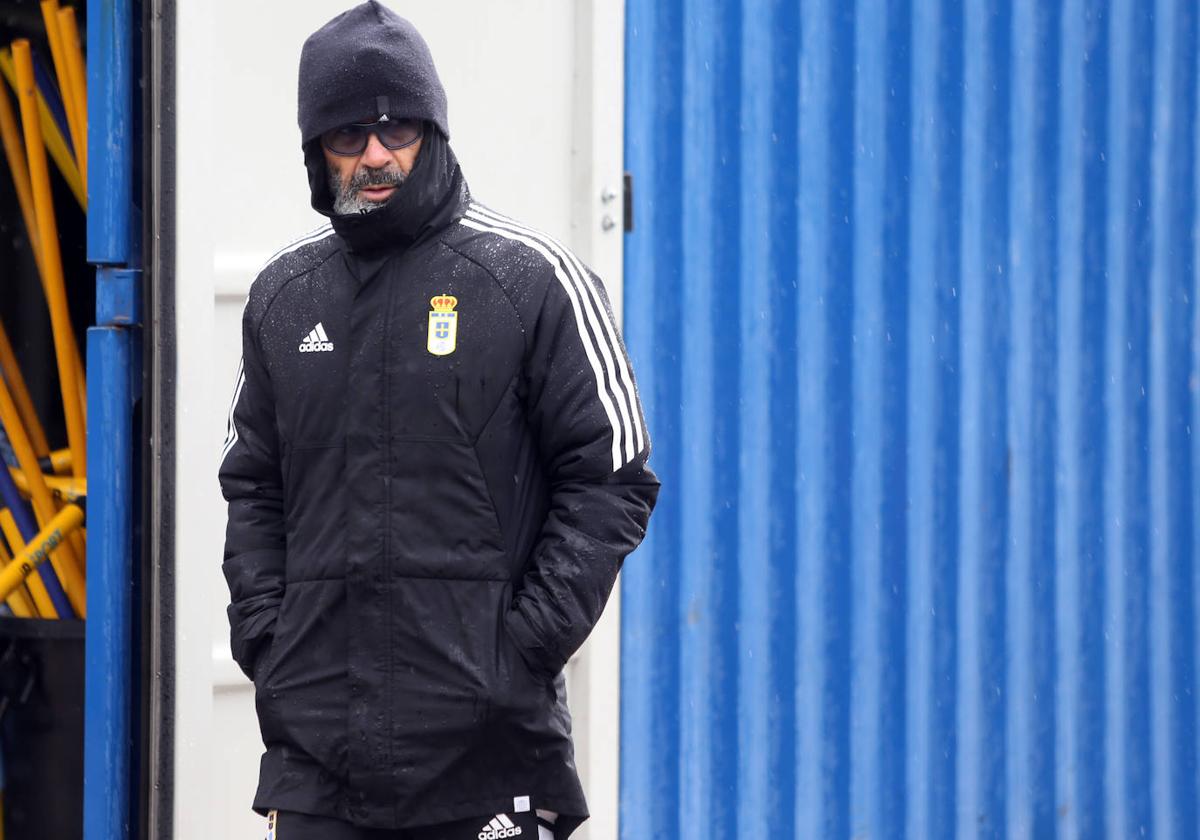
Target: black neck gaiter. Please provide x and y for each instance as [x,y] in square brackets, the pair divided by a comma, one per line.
[432,196]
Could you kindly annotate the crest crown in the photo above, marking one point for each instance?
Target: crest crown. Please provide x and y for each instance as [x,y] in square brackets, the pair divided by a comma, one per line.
[443,303]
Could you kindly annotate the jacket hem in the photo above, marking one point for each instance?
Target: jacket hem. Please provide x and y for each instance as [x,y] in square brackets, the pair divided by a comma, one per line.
[572,811]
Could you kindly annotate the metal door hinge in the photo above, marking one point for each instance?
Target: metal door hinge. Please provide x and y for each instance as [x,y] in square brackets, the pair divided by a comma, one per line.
[118,296]
[628,209]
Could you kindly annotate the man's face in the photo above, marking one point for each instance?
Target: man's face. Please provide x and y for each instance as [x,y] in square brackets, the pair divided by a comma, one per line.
[364,181]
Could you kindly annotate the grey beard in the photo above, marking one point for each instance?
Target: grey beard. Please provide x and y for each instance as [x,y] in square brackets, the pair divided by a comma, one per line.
[346,197]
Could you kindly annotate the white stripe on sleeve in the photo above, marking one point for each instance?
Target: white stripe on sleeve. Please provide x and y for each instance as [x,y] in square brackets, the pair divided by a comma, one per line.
[312,236]
[622,386]
[588,345]
[231,432]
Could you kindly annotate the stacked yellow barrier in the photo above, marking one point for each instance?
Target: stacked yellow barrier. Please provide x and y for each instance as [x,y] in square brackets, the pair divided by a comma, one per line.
[50,480]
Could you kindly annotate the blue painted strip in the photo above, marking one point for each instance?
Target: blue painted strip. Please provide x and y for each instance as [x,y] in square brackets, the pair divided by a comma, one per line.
[984,492]
[868,324]
[1172,620]
[726,456]
[1160,474]
[11,496]
[108,709]
[1192,424]
[922,441]
[1127,478]
[784,398]
[878,557]
[701,657]
[1082,593]
[933,414]
[838,292]
[1116,473]
[812,803]
[1182,749]
[759,311]
[896,287]
[766,295]
[651,632]
[50,92]
[1032,655]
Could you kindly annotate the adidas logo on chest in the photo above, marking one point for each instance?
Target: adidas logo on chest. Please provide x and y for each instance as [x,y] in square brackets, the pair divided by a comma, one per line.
[316,341]
[500,828]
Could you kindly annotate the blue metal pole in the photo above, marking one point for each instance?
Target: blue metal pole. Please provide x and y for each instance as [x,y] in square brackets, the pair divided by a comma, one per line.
[110,131]
[112,245]
[108,711]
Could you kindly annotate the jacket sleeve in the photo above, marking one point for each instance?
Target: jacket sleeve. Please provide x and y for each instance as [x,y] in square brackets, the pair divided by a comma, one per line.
[251,483]
[583,406]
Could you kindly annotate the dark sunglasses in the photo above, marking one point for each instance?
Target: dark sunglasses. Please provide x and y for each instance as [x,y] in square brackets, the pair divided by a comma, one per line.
[351,139]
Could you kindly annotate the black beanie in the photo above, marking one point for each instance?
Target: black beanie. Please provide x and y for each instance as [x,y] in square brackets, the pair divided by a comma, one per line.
[367,62]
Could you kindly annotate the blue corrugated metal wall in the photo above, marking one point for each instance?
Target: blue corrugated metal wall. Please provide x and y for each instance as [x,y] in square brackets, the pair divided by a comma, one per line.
[912,301]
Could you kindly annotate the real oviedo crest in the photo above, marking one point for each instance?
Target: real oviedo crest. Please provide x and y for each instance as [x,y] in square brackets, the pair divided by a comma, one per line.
[443,325]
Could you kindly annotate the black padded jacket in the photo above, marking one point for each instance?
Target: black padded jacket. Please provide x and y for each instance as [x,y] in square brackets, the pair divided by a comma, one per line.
[435,465]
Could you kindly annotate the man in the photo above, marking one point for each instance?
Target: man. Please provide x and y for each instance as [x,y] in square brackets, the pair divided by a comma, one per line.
[435,466]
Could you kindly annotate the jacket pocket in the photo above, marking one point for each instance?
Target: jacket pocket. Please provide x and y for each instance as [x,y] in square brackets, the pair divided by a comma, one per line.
[465,708]
[442,517]
[303,690]
[519,685]
[456,667]
[267,723]
[262,659]
[527,659]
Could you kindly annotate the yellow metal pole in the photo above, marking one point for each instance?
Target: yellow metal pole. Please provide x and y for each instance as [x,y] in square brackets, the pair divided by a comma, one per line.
[8,526]
[48,539]
[20,392]
[73,53]
[55,143]
[64,487]
[19,602]
[56,294]
[65,563]
[58,462]
[10,133]
[80,386]
[65,80]
[41,598]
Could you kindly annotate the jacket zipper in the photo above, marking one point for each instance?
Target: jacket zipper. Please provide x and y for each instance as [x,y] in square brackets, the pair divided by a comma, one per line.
[386,518]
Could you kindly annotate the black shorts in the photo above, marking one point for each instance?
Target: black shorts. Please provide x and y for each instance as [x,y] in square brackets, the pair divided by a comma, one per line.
[289,825]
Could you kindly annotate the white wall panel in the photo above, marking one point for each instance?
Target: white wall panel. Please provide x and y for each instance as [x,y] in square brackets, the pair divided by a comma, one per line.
[535,91]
